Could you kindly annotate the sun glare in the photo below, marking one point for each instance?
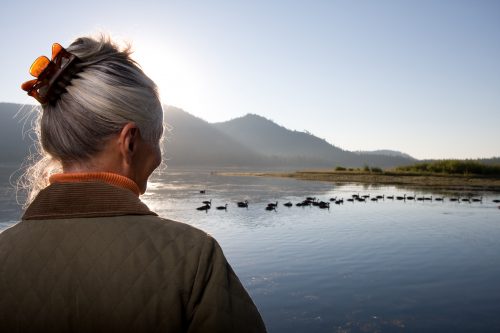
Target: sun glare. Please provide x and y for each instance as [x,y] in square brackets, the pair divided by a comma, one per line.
[174,74]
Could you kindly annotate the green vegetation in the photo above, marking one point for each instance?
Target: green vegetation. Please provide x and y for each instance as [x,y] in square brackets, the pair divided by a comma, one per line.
[365,169]
[453,167]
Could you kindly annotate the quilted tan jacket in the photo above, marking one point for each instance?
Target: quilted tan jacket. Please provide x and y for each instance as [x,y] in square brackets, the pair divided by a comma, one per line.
[91,257]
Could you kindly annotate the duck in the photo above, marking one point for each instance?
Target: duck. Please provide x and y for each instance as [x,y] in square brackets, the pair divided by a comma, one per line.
[401,197]
[272,204]
[204,207]
[269,208]
[222,207]
[288,204]
[209,202]
[324,205]
[243,204]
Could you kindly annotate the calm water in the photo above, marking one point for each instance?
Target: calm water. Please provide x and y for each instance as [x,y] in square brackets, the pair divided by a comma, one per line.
[387,266]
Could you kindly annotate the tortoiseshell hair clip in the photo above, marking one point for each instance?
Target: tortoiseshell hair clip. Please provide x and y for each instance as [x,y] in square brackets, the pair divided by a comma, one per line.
[52,76]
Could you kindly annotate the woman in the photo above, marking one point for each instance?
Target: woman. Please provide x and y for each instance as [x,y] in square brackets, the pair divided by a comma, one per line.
[88,255]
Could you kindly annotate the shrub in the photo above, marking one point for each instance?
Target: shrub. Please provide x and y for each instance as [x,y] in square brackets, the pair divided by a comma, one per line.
[463,167]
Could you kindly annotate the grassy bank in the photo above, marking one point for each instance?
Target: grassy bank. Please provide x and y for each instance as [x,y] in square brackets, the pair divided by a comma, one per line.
[409,177]
[453,167]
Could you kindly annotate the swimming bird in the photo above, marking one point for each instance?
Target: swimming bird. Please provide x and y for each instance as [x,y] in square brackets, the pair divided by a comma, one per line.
[439,198]
[204,207]
[478,199]
[411,197]
[272,204]
[288,204]
[207,202]
[324,205]
[496,200]
[350,200]
[243,204]
[401,197]
[222,207]
[428,198]
[272,207]
[390,197]
[202,191]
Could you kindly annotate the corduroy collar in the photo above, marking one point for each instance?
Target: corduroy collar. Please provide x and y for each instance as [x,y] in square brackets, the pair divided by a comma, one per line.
[105,177]
[84,199]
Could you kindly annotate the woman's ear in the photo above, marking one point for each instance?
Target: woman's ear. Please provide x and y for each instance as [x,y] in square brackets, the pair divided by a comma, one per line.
[128,142]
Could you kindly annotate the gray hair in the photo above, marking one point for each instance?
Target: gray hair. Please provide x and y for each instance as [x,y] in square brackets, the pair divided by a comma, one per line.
[109,91]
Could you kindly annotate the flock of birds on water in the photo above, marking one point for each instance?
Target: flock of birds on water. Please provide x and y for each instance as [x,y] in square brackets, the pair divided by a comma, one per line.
[313,201]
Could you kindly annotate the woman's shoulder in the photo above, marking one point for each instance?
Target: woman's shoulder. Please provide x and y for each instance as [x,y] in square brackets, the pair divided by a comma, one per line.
[163,230]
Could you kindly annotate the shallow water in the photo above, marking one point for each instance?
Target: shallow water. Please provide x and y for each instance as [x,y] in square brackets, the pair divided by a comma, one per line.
[387,266]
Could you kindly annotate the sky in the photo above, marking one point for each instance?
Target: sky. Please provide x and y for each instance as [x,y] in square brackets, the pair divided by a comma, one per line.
[417,76]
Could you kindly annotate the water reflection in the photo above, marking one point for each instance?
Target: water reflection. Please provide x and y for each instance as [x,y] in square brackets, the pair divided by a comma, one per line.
[388,265]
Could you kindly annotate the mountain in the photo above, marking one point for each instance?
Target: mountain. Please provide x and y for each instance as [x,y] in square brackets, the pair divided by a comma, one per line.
[385,152]
[15,137]
[250,141]
[270,138]
[192,141]
[299,148]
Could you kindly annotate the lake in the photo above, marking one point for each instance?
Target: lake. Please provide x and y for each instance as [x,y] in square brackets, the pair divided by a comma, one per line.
[385,266]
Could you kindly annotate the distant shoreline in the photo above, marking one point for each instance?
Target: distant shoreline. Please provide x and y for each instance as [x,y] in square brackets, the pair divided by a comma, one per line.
[431,181]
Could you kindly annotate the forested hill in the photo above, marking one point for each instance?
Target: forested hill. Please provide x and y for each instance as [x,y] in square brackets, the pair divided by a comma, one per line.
[250,141]
[274,145]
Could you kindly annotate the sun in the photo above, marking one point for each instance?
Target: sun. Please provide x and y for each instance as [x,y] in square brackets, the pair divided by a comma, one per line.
[174,73]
